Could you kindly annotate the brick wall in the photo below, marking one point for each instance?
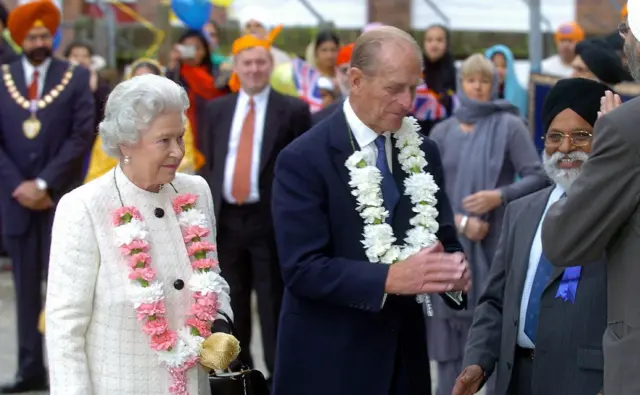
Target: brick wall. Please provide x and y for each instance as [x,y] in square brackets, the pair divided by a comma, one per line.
[598,16]
[390,12]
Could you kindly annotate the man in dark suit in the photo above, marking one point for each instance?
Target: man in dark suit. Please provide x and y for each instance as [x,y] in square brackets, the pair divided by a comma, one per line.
[528,306]
[351,322]
[46,128]
[246,132]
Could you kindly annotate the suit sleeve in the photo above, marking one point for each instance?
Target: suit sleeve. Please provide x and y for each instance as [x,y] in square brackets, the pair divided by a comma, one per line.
[73,272]
[10,176]
[303,119]
[80,137]
[483,341]
[303,237]
[577,229]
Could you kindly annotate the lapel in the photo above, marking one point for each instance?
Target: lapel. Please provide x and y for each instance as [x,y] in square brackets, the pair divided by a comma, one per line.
[341,143]
[403,209]
[271,129]
[222,133]
[53,76]
[526,232]
[17,73]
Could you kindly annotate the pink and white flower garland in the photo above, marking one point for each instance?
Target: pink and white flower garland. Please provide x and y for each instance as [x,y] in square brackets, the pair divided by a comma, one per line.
[178,350]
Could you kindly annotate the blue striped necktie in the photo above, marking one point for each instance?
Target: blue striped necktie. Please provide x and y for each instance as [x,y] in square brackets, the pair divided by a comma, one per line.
[533,307]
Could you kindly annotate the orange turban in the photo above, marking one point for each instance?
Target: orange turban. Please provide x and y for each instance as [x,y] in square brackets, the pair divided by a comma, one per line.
[624,13]
[569,31]
[344,56]
[39,13]
[250,41]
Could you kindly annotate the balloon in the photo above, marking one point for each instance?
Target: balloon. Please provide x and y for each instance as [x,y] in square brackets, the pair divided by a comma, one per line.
[282,80]
[193,13]
[222,3]
[57,39]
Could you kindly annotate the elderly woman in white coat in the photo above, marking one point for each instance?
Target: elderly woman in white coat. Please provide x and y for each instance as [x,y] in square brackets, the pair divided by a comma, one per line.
[134,284]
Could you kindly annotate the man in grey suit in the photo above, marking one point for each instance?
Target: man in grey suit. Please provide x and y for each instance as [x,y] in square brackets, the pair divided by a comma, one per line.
[600,217]
[529,307]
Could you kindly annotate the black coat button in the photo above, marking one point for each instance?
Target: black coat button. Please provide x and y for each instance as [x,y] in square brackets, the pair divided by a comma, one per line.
[178,284]
[159,212]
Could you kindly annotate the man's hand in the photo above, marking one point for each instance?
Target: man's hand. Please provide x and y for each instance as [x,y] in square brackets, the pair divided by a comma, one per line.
[428,271]
[464,284]
[476,229]
[609,102]
[29,196]
[482,202]
[468,382]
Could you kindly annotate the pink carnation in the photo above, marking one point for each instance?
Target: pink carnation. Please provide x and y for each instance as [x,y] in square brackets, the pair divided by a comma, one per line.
[210,299]
[135,246]
[121,213]
[149,309]
[204,263]
[163,341]
[201,326]
[194,231]
[145,273]
[181,201]
[201,312]
[141,257]
[155,327]
[201,246]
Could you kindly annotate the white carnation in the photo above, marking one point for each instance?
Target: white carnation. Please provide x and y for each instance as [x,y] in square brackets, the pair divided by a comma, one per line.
[354,160]
[420,237]
[138,294]
[420,187]
[372,214]
[377,240]
[391,256]
[134,230]
[192,217]
[364,178]
[204,282]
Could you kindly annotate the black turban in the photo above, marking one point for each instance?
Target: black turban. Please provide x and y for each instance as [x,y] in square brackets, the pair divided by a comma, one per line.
[579,94]
[601,60]
[4,15]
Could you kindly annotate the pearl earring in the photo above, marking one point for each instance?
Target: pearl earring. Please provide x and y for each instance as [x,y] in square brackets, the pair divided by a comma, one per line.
[127,159]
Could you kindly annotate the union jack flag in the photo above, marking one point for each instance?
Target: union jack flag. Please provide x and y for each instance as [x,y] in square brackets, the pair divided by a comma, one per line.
[305,79]
[426,105]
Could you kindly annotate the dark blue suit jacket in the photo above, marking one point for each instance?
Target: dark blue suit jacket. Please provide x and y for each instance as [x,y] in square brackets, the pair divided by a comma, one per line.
[335,336]
[56,154]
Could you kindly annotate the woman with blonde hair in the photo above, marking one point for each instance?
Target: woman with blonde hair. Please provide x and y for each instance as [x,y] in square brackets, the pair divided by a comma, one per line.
[101,163]
[485,145]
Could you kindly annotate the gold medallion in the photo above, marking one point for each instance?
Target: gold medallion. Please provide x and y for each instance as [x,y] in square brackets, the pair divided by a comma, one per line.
[31,128]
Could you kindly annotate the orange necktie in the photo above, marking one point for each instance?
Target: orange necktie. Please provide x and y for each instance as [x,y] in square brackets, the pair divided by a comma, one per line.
[33,87]
[242,172]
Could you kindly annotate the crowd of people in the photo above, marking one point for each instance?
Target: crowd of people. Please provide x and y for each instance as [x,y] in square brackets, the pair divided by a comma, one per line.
[396,212]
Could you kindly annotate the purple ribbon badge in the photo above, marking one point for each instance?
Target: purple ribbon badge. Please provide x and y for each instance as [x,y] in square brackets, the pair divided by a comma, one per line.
[569,284]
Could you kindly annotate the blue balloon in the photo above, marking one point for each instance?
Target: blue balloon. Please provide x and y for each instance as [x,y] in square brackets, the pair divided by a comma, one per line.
[193,13]
[57,39]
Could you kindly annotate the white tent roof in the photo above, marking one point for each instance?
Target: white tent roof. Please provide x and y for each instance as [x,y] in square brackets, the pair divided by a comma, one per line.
[477,15]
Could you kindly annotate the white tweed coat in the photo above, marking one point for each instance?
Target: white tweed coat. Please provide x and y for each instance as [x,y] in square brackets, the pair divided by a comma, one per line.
[95,344]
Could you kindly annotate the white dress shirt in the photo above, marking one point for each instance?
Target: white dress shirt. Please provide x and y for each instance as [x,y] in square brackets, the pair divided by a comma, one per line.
[261,100]
[553,65]
[42,70]
[365,137]
[534,257]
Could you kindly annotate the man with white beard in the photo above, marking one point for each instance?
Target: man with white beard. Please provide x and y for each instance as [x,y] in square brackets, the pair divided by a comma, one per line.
[528,306]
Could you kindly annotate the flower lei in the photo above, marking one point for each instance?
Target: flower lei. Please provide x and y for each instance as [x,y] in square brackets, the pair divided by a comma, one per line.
[419,185]
[178,350]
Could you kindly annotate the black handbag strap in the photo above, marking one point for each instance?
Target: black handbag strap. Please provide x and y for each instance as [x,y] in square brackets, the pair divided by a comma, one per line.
[234,333]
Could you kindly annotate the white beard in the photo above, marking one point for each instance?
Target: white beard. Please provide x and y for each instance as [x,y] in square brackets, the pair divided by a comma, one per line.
[563,177]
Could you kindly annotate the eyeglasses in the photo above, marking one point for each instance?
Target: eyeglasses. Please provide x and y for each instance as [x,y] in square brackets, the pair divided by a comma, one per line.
[623,29]
[579,138]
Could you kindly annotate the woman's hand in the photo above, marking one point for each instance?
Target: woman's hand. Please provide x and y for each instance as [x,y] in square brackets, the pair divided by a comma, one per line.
[482,202]
[476,229]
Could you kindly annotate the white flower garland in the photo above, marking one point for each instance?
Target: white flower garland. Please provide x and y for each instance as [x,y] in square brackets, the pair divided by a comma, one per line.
[419,185]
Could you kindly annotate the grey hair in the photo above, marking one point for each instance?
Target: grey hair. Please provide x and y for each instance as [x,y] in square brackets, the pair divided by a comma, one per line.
[133,105]
[368,46]
[477,64]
